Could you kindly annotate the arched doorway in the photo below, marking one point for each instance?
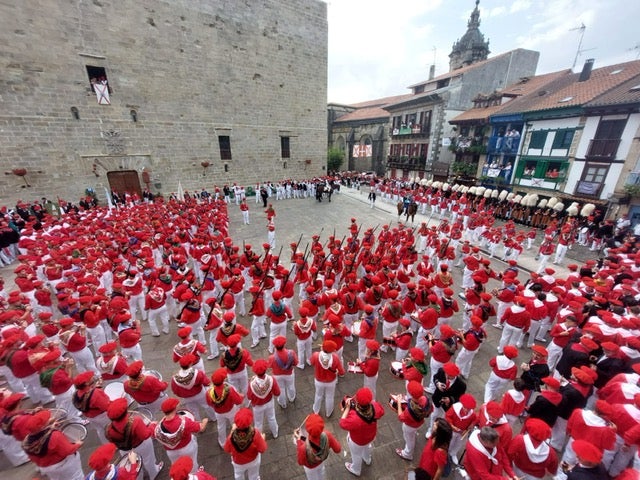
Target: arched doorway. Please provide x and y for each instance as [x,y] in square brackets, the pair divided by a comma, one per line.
[124,181]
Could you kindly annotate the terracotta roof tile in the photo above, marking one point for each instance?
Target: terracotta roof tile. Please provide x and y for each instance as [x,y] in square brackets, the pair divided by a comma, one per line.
[520,90]
[626,93]
[578,93]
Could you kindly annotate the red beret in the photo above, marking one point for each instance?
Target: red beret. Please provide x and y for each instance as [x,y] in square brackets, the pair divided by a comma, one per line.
[588,343]
[551,382]
[169,405]
[181,468]
[108,347]
[451,369]
[184,332]
[476,321]
[540,350]
[581,376]
[405,322]
[417,353]
[612,347]
[467,401]
[135,368]
[102,456]
[587,451]
[34,341]
[510,351]
[277,295]
[329,346]
[374,345]
[448,292]
[38,420]
[446,331]
[314,425]
[83,378]
[494,409]
[392,294]
[415,389]
[260,367]
[234,340]
[537,429]
[243,418]
[188,360]
[279,341]
[117,408]
[485,296]
[12,401]
[66,322]
[364,396]
[219,376]
[228,316]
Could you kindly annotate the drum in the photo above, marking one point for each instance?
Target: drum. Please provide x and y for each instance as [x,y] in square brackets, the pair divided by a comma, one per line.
[353,367]
[355,328]
[393,402]
[396,369]
[389,341]
[143,413]
[75,432]
[115,390]
[125,463]
[154,373]
[58,414]
[345,399]
[186,413]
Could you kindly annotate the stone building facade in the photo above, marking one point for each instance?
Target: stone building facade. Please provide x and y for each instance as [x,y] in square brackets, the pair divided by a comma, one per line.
[153,93]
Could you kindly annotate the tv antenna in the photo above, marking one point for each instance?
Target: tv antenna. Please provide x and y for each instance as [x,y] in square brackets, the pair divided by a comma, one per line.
[580,50]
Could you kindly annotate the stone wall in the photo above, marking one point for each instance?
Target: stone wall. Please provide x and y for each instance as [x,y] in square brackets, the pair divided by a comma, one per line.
[187,71]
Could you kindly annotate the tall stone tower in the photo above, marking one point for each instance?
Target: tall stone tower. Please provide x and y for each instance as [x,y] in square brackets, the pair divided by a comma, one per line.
[471,48]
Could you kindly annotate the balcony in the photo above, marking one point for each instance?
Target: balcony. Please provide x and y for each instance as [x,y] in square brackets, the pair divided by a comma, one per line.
[414,131]
[404,162]
[468,145]
[504,145]
[603,148]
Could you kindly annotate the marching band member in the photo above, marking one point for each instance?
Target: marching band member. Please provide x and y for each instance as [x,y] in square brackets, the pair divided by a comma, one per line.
[225,401]
[144,388]
[245,444]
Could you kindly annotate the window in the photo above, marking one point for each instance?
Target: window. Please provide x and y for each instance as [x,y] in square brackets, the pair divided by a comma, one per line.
[99,84]
[595,174]
[75,113]
[563,139]
[538,138]
[224,142]
[284,147]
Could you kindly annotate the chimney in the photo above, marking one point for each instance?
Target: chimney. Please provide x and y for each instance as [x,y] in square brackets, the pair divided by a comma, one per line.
[432,72]
[586,70]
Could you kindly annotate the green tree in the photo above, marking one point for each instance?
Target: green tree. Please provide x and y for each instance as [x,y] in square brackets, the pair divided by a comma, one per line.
[335,158]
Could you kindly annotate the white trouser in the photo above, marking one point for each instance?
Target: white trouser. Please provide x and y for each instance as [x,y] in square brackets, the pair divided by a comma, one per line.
[64,401]
[559,433]
[388,329]
[196,403]
[257,329]
[190,450]
[287,384]
[555,352]
[161,314]
[12,448]
[510,336]
[494,386]
[68,469]
[464,361]
[97,336]
[132,353]
[84,361]
[15,384]
[561,251]
[276,330]
[225,420]
[434,366]
[99,423]
[136,302]
[240,380]
[317,473]
[359,454]
[267,410]
[37,393]
[304,351]
[326,390]
[534,328]
[214,349]
[251,469]
[148,456]
[409,434]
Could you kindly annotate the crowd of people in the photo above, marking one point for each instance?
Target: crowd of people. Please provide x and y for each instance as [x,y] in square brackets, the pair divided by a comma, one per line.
[87,281]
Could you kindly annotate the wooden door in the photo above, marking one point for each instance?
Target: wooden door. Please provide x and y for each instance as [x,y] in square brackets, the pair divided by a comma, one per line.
[124,181]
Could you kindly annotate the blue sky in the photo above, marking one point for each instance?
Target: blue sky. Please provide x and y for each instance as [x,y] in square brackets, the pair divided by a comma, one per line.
[379,47]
